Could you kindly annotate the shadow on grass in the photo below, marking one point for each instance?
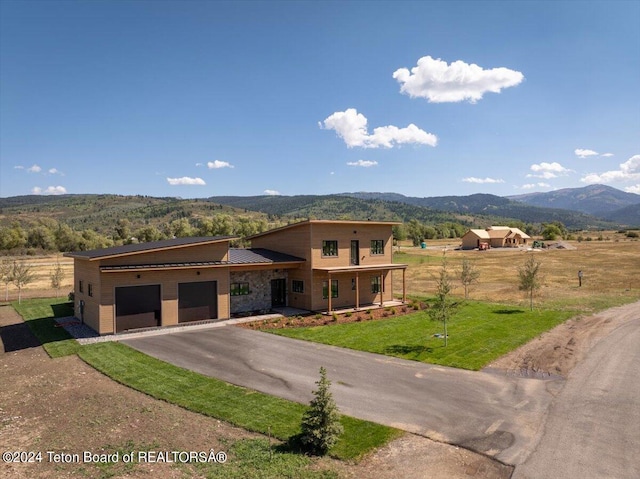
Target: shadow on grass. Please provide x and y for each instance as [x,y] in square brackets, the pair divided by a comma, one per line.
[404,350]
[62,310]
[509,311]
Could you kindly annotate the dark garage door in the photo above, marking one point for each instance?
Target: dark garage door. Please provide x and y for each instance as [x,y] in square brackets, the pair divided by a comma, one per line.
[197,301]
[137,307]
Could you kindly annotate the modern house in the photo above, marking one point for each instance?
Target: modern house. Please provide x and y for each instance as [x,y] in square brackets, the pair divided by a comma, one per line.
[494,237]
[313,265]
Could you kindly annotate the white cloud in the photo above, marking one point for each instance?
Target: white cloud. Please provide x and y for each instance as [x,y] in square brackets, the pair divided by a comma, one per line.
[18,167]
[633,189]
[440,82]
[55,171]
[34,169]
[51,190]
[217,164]
[271,192]
[185,180]
[472,179]
[584,153]
[548,170]
[362,163]
[529,186]
[607,155]
[629,171]
[351,126]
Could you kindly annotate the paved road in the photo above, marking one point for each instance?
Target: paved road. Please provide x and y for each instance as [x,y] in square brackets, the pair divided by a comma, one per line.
[497,415]
[593,426]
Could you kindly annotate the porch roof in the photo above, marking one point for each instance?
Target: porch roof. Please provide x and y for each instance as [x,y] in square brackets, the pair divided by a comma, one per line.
[358,268]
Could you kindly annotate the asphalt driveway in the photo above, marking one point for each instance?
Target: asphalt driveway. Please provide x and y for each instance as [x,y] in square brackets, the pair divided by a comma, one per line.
[493,414]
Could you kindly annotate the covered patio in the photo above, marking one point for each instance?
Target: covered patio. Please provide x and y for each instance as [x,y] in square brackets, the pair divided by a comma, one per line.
[386,298]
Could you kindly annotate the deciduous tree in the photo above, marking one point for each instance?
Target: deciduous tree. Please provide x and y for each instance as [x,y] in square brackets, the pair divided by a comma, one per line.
[469,274]
[530,277]
[21,276]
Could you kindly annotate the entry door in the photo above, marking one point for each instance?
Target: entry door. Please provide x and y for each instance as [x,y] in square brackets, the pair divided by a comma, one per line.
[278,293]
[355,252]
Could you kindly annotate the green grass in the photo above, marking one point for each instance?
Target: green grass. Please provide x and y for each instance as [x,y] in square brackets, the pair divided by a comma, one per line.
[478,334]
[40,314]
[245,408]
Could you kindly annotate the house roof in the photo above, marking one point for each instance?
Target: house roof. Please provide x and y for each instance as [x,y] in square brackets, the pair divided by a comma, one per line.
[130,249]
[479,233]
[360,268]
[236,257]
[310,222]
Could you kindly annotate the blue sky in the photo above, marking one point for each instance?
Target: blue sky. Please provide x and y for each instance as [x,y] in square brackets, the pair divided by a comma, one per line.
[204,98]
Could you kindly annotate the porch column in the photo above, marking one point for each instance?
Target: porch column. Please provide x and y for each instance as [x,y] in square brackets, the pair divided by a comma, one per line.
[381,288]
[329,290]
[357,290]
[404,285]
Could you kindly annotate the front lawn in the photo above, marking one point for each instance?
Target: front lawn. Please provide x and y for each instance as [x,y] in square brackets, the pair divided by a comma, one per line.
[246,408]
[40,314]
[478,334]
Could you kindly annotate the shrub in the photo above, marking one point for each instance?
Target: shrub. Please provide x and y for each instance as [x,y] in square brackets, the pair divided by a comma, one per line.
[348,314]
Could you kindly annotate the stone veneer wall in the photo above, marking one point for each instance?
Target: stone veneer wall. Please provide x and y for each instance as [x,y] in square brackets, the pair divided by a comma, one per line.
[259,297]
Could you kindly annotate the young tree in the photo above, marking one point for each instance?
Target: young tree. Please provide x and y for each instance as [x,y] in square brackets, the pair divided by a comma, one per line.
[321,422]
[57,277]
[444,307]
[21,276]
[469,274]
[6,274]
[530,277]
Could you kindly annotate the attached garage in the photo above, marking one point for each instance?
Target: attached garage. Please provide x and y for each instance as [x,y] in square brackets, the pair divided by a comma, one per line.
[138,307]
[197,301]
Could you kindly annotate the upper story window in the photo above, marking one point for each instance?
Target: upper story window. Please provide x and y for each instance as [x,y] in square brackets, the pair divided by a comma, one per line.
[377,246]
[90,292]
[81,286]
[329,248]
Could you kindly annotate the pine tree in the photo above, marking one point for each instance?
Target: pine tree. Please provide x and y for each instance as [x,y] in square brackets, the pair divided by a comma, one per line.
[321,426]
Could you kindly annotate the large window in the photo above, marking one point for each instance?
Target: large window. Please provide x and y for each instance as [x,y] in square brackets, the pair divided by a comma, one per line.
[297,286]
[377,246]
[375,284]
[334,289]
[329,248]
[240,289]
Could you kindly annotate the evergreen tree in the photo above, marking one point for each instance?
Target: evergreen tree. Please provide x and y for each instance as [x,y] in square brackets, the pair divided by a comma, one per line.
[321,422]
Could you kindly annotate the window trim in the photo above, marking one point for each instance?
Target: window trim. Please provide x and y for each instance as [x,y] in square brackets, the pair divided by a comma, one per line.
[325,288]
[239,288]
[375,251]
[326,246]
[376,285]
[299,283]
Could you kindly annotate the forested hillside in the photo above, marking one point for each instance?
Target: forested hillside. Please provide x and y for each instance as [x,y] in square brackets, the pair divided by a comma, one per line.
[32,224]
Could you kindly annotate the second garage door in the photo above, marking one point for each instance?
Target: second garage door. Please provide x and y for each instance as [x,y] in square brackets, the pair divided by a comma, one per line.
[197,301]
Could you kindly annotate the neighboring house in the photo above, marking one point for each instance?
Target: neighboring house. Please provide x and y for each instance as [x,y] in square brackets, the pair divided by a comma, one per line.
[171,282]
[494,237]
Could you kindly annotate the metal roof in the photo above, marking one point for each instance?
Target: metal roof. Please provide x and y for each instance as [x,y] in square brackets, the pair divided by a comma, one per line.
[129,249]
[256,256]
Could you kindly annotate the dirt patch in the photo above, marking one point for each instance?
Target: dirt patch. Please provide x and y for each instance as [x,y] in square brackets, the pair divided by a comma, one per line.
[557,351]
[65,406]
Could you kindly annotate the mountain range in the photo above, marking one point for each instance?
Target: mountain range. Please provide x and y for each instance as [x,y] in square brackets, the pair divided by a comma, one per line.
[591,207]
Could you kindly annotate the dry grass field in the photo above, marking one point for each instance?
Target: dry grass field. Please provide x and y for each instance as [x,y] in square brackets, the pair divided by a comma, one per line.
[611,269]
[611,272]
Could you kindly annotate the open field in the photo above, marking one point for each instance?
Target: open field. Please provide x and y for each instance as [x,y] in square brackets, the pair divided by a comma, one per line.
[611,271]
